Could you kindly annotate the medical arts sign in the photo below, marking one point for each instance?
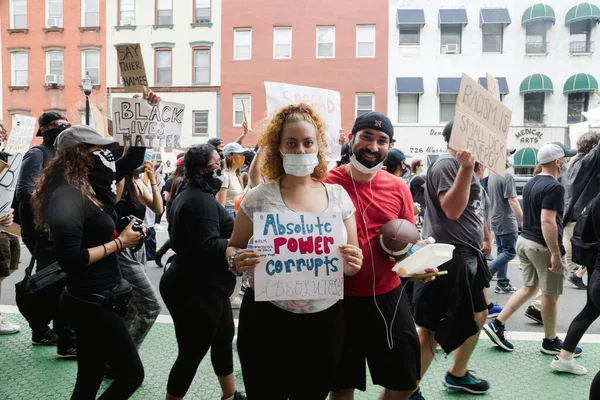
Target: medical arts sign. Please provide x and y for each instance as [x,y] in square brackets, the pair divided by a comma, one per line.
[529,136]
[521,137]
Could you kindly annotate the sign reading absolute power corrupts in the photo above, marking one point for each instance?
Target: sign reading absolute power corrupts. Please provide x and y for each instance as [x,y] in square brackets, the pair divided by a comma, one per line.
[481,124]
[299,256]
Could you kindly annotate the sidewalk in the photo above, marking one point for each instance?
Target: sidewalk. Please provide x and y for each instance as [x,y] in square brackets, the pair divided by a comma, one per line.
[28,372]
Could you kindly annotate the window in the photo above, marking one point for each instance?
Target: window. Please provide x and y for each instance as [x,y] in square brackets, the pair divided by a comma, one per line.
[408,108]
[55,63]
[534,108]
[492,38]
[127,12]
[20,75]
[242,44]
[580,37]
[18,18]
[238,109]
[92,121]
[578,103]
[451,39]
[91,13]
[163,67]
[536,38]
[447,105]
[364,103]
[91,65]
[164,12]
[202,66]
[410,34]
[202,11]
[365,41]
[200,123]
[325,41]
[282,43]
[54,10]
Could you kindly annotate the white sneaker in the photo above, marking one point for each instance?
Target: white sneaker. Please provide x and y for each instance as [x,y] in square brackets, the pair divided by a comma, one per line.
[570,366]
[6,328]
[236,303]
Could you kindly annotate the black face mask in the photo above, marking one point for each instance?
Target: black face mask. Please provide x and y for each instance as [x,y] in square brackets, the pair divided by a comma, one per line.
[51,135]
[214,180]
[221,154]
[104,178]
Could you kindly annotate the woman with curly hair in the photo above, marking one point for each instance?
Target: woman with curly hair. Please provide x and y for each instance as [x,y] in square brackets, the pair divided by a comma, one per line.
[308,334]
[197,285]
[96,296]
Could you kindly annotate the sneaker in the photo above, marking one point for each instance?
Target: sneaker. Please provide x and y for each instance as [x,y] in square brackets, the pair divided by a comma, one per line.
[66,353]
[468,383]
[505,289]
[47,338]
[554,346]
[237,396]
[534,314]
[577,281]
[417,395]
[236,303]
[6,328]
[494,311]
[496,334]
[570,366]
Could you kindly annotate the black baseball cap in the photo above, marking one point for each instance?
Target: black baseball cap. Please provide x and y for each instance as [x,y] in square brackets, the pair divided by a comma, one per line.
[397,155]
[215,142]
[48,118]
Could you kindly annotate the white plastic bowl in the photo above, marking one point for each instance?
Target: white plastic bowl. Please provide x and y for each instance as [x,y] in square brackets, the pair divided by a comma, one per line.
[430,256]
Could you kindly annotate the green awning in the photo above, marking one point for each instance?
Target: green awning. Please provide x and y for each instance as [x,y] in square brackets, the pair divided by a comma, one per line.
[536,83]
[538,13]
[583,12]
[580,83]
[526,157]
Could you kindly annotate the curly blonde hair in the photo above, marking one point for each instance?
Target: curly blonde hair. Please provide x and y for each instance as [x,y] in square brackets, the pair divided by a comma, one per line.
[271,162]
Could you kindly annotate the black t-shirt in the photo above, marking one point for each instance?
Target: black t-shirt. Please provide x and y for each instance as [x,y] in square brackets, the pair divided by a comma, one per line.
[542,192]
[417,190]
[168,183]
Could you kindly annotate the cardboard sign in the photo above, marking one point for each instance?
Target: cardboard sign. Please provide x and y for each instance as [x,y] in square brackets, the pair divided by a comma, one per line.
[245,111]
[326,102]
[299,256]
[168,161]
[21,135]
[481,124]
[492,85]
[132,67]
[99,120]
[136,123]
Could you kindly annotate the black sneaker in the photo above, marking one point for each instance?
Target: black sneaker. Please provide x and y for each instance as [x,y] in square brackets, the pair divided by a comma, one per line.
[158,258]
[505,289]
[238,396]
[66,353]
[554,346]
[534,314]
[417,395]
[45,338]
[468,383]
[496,334]
[576,281]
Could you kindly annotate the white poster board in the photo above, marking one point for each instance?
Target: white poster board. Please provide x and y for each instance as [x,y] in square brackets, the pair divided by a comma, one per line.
[168,161]
[299,256]
[327,103]
[136,123]
[575,132]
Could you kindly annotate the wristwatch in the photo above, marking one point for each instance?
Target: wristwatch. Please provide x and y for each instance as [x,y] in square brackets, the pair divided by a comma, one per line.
[232,268]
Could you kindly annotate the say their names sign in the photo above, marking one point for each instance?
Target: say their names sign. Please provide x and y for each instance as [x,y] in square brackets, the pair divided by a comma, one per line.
[131,63]
[481,124]
[299,256]
[137,123]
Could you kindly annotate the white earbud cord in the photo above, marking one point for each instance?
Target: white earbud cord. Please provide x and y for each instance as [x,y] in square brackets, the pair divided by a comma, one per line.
[388,328]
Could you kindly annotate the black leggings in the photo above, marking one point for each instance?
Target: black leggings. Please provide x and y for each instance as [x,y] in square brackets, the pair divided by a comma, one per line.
[587,316]
[202,320]
[102,338]
[595,389]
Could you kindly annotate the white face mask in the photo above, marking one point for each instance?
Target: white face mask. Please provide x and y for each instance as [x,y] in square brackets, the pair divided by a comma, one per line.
[361,168]
[300,164]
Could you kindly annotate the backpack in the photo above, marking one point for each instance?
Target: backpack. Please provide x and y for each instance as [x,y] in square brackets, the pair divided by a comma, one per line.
[583,252]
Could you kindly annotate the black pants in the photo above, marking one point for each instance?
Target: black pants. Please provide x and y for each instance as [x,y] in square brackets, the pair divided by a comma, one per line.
[587,316]
[595,389]
[203,320]
[286,355]
[165,247]
[102,338]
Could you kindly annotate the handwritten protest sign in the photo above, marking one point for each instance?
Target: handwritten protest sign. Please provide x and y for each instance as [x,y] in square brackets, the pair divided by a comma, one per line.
[131,63]
[168,161]
[327,103]
[136,123]
[492,85]
[21,135]
[481,124]
[299,256]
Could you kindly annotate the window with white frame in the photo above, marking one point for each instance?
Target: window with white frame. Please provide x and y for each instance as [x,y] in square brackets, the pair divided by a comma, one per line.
[325,41]
[451,39]
[90,60]
[202,11]
[164,12]
[577,104]
[163,67]
[242,44]
[492,37]
[126,12]
[535,38]
[18,18]
[91,12]
[410,34]
[282,43]
[200,119]
[447,107]
[238,108]
[580,36]
[365,41]
[408,108]
[365,103]
[55,64]
[202,66]
[54,12]
[20,69]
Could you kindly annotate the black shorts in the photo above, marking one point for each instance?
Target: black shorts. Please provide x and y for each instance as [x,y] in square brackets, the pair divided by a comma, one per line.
[10,252]
[398,368]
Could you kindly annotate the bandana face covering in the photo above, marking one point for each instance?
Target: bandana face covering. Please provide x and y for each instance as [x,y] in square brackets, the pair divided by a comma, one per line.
[214,179]
[103,178]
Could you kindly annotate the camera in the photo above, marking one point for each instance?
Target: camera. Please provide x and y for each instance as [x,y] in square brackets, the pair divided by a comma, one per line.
[137,227]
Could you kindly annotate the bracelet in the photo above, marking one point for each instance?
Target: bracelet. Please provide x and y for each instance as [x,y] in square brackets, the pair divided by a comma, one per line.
[120,243]
[116,244]
[105,252]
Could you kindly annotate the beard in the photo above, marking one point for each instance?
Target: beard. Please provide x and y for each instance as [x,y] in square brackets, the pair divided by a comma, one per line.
[369,163]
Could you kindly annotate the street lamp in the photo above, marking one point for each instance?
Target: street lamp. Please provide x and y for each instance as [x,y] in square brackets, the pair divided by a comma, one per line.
[87,83]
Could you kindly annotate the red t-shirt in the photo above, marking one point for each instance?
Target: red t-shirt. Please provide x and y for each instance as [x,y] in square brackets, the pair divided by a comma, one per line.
[391,200]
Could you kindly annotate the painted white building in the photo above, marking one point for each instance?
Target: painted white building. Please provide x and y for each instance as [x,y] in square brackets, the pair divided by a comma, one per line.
[181,46]
[535,51]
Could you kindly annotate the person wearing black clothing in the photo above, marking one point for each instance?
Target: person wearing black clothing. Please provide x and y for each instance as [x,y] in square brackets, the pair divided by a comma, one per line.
[197,286]
[95,298]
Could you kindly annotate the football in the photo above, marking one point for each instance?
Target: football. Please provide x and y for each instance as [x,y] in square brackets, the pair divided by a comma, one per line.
[396,237]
